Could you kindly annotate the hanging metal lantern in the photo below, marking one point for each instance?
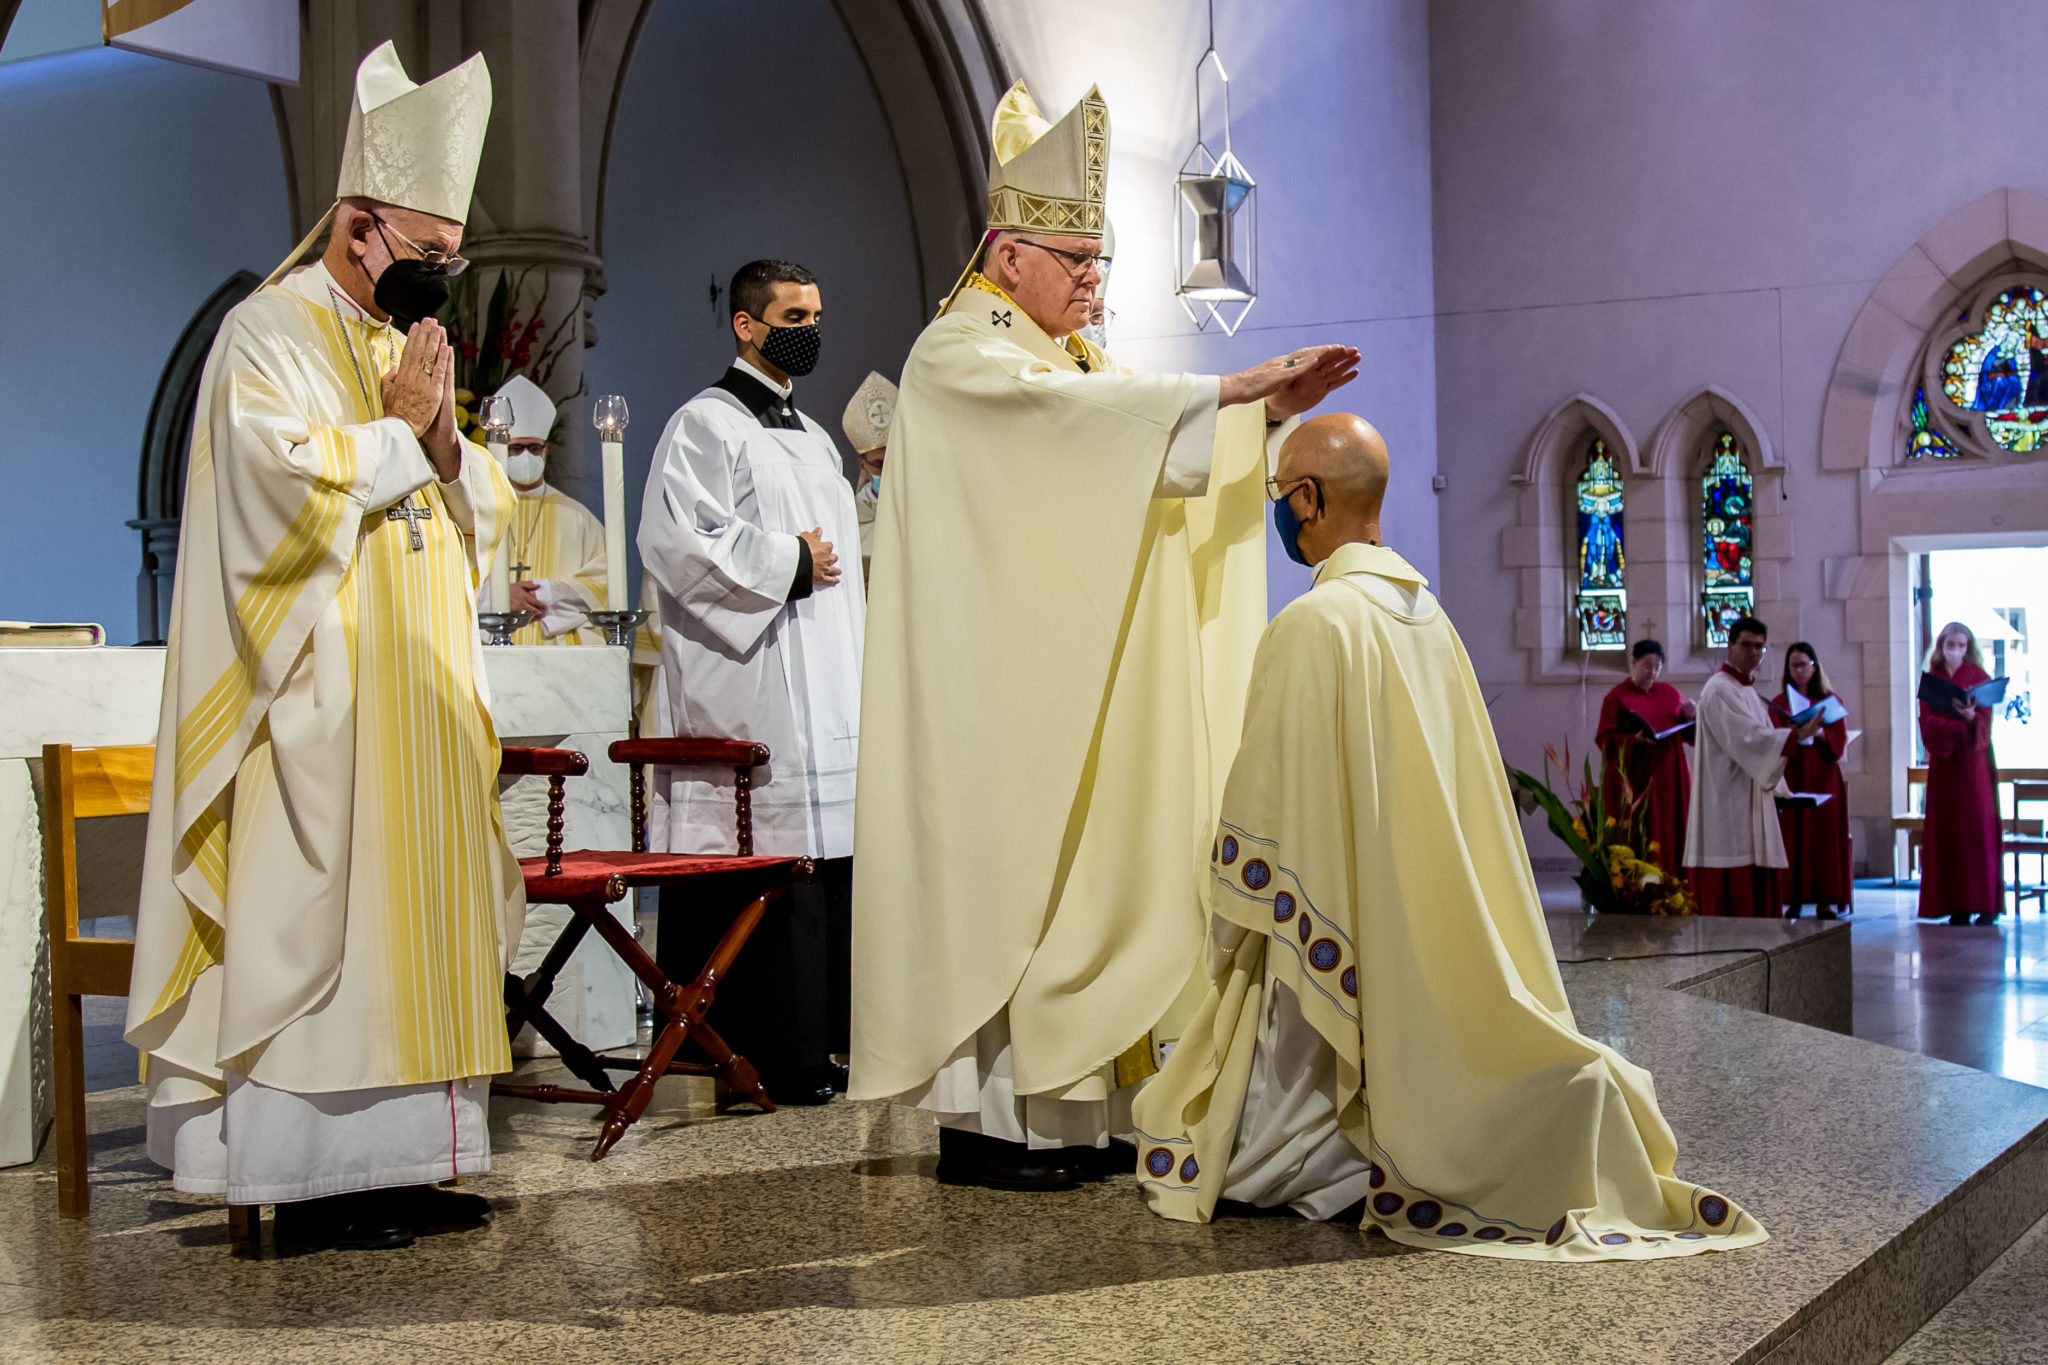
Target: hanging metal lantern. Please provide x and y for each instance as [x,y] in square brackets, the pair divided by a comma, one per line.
[1216,220]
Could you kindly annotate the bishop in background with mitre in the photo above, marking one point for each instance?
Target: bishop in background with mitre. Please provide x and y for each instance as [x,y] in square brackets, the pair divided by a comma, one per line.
[1069,574]
[328,898]
[555,546]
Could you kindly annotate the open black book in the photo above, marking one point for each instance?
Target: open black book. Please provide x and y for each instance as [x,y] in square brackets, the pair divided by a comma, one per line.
[1811,800]
[1943,695]
[1633,720]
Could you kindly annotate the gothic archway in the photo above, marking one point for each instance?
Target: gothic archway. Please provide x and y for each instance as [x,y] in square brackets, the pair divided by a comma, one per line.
[166,442]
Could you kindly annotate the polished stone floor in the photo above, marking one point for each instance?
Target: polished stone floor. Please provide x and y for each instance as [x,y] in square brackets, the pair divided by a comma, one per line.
[820,1235]
[1976,996]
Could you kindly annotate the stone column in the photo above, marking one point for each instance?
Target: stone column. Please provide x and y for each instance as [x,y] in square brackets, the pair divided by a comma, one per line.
[526,229]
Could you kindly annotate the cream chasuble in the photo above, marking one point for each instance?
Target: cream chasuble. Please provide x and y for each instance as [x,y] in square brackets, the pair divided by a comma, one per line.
[561,546]
[1739,759]
[1385,1018]
[1060,628]
[328,898]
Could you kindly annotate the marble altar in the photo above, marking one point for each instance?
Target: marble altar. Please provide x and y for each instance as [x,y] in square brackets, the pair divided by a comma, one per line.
[572,697]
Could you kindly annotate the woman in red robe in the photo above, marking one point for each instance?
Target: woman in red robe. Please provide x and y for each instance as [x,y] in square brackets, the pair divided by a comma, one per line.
[1656,770]
[1959,848]
[1816,837]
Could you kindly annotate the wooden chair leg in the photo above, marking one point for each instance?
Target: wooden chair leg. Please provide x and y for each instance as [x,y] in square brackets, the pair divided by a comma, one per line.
[74,1192]
[683,1009]
[245,1227]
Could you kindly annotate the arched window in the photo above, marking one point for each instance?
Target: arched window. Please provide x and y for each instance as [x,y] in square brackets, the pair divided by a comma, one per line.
[2001,370]
[1725,525]
[1601,560]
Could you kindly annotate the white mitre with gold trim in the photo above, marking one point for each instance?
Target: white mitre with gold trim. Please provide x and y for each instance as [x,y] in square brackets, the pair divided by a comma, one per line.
[1049,177]
[415,146]
[411,146]
[533,412]
[867,418]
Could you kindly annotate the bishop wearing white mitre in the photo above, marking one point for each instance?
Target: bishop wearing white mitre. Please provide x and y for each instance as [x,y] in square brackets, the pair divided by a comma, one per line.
[556,546]
[866,424]
[328,899]
[1069,577]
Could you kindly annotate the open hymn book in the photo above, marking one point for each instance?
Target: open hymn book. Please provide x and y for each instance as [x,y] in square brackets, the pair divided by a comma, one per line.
[50,634]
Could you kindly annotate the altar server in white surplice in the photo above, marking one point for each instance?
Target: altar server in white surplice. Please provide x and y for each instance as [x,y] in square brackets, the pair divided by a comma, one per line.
[328,898]
[556,546]
[746,515]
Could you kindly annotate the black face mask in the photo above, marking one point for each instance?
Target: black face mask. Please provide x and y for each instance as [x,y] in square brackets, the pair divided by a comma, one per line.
[792,350]
[410,290]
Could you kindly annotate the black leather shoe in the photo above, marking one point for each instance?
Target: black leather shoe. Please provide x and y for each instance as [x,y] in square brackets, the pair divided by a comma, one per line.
[430,1206]
[359,1221]
[1792,911]
[1988,917]
[807,1086]
[839,1076]
[973,1159]
[1958,919]
[1100,1163]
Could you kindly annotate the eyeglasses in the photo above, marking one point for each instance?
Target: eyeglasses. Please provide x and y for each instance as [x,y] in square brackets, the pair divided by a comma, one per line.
[1276,491]
[1075,262]
[450,263]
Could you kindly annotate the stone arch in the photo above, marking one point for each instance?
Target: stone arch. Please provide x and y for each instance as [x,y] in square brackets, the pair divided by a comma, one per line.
[1904,509]
[166,445]
[1676,445]
[1878,362]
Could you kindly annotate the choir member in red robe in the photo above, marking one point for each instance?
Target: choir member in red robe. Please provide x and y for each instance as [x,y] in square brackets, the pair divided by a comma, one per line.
[1959,850]
[1657,771]
[1817,848]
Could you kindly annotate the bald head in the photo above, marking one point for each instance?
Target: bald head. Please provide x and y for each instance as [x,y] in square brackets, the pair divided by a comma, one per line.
[1346,460]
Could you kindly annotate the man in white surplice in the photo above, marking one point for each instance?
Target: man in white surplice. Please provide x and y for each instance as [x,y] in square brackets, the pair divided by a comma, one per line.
[761,631]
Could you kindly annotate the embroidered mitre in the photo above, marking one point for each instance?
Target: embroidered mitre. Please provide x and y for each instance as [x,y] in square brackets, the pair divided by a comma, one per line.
[1049,177]
[415,146]
[867,418]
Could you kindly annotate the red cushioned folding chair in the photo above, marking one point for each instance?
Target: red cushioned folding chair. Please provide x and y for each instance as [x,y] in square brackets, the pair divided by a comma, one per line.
[589,882]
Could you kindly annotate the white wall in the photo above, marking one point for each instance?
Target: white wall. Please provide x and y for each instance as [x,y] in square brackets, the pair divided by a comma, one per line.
[134,188]
[1637,198]
[1330,106]
[745,131]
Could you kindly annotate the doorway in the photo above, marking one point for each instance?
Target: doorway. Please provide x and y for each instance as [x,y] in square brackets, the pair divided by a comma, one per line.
[2001,594]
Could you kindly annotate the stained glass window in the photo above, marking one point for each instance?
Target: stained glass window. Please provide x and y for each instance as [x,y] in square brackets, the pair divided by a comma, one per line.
[2001,370]
[1925,440]
[1603,601]
[1725,523]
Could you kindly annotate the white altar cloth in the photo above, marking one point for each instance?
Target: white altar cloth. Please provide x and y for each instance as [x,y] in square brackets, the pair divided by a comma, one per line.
[572,697]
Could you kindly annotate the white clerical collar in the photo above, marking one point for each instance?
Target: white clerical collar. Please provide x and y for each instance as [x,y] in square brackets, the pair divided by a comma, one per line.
[782,390]
[1357,556]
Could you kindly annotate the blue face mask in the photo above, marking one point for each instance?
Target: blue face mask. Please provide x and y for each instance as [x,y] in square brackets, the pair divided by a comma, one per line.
[1289,527]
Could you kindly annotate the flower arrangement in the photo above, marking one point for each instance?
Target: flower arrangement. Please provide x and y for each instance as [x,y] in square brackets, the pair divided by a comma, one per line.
[1619,874]
[497,341]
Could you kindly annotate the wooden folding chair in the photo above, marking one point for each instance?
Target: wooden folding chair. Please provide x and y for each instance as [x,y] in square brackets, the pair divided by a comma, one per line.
[2024,837]
[588,882]
[81,784]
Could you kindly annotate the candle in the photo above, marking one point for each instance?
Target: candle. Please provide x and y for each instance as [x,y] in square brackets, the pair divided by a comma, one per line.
[609,416]
[496,416]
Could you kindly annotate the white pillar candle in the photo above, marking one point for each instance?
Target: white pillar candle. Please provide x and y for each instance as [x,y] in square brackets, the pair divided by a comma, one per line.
[614,463]
[500,595]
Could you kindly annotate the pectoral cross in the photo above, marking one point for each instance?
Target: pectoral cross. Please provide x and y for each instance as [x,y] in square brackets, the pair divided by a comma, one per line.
[412,517]
[521,572]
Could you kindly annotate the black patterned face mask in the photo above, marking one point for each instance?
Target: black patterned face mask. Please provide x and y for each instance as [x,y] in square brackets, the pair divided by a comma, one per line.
[792,350]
